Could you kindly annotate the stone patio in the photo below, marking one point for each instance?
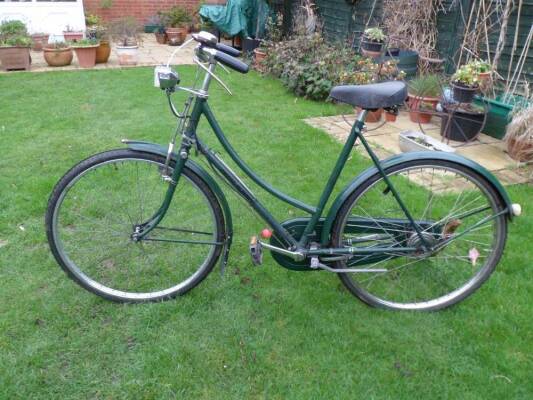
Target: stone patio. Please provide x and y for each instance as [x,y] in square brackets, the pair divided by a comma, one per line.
[150,53]
[485,150]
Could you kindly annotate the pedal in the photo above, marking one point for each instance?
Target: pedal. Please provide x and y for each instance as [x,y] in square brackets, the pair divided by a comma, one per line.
[256,251]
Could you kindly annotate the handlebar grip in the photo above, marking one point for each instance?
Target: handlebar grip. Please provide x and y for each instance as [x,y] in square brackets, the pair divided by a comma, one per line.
[228,49]
[231,62]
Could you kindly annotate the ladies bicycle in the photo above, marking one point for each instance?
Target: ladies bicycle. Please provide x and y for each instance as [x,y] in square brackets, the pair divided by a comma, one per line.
[417,231]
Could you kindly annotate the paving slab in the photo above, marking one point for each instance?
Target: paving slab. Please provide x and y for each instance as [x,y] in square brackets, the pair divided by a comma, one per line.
[384,139]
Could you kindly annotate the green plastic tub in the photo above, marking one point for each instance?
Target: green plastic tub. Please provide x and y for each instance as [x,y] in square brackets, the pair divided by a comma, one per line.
[498,114]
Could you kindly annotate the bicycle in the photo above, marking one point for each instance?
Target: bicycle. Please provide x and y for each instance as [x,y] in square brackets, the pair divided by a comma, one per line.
[417,231]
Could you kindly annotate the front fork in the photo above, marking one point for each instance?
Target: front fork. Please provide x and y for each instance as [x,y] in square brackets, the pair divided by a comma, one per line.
[143,229]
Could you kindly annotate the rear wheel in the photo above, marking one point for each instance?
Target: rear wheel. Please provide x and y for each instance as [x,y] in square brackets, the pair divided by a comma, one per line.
[458,212]
[95,209]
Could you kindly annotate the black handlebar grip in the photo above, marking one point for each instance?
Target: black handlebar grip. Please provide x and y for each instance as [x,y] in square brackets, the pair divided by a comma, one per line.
[228,49]
[231,62]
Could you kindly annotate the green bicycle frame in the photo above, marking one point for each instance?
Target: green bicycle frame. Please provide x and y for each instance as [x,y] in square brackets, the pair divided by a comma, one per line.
[190,139]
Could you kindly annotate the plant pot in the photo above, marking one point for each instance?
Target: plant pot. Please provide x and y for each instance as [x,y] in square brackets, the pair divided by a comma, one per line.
[249,45]
[484,77]
[103,51]
[237,42]
[86,56]
[389,117]
[72,36]
[407,61]
[151,28]
[371,116]
[371,54]
[39,41]
[58,57]
[15,57]
[176,36]
[393,51]
[259,56]
[498,116]
[462,124]
[416,114]
[127,55]
[161,37]
[462,93]
[369,45]
[410,141]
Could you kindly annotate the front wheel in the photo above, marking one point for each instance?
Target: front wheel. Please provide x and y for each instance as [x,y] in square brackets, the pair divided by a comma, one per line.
[96,208]
[459,214]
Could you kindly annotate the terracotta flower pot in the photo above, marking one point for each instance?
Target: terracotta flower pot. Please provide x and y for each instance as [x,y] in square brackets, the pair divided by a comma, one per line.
[15,57]
[103,51]
[176,36]
[161,38]
[72,36]
[259,56]
[39,41]
[390,117]
[416,113]
[86,56]
[127,55]
[58,57]
[372,116]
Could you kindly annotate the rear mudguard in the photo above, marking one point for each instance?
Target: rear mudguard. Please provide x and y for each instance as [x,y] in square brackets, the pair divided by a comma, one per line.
[401,158]
[162,151]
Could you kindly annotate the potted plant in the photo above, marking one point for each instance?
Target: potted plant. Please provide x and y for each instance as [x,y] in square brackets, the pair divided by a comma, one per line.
[482,69]
[39,40]
[462,122]
[86,52]
[372,42]
[58,54]
[72,35]
[424,95]
[161,35]
[465,84]
[98,31]
[125,33]
[519,135]
[177,20]
[416,141]
[15,43]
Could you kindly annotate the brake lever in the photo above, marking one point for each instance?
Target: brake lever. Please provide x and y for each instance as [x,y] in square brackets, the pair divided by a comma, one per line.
[224,68]
[201,65]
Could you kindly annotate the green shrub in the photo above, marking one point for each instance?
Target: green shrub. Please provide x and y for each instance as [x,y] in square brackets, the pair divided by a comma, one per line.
[14,33]
[310,67]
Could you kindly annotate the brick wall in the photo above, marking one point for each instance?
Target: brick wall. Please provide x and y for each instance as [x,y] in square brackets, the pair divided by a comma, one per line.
[140,9]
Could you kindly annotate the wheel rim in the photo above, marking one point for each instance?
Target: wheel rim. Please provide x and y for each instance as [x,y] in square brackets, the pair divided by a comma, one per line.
[427,282]
[114,264]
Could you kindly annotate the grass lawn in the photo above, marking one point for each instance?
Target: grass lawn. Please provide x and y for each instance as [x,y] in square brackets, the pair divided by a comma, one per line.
[255,332]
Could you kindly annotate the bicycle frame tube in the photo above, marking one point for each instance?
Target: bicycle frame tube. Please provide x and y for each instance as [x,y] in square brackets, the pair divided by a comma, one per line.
[248,195]
[189,138]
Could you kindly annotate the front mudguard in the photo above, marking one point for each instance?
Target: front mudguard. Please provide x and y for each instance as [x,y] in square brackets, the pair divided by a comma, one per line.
[202,173]
[404,157]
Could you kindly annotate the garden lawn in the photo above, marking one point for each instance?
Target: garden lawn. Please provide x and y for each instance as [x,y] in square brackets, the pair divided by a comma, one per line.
[255,332]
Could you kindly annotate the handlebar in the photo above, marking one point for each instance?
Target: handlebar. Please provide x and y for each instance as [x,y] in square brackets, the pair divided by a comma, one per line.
[221,52]
[228,49]
[231,62]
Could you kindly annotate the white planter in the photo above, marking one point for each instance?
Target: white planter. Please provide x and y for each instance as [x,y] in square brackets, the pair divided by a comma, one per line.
[127,55]
[408,143]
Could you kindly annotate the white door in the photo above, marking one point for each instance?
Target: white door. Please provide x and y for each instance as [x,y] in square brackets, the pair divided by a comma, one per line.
[48,16]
